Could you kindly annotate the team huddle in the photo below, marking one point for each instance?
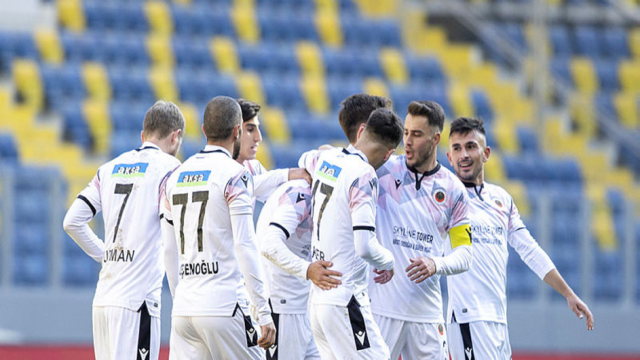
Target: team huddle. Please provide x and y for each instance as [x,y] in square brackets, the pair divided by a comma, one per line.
[346,257]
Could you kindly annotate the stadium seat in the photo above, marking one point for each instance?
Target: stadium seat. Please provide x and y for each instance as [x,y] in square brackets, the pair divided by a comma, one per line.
[561,43]
[587,41]
[8,149]
[615,42]
[528,140]
[192,54]
[607,72]
[31,270]
[14,45]
[283,92]
[80,271]
[200,87]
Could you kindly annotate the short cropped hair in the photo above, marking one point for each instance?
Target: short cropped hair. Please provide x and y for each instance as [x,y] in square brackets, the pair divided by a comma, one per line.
[465,125]
[386,127]
[221,115]
[429,109]
[162,119]
[249,109]
[355,110]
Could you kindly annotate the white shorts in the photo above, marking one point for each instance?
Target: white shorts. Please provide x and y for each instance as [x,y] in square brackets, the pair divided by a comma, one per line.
[123,334]
[215,337]
[294,339]
[414,340]
[347,332]
[479,340]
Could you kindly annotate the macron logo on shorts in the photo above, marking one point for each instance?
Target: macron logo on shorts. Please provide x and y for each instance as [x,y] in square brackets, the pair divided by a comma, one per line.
[143,353]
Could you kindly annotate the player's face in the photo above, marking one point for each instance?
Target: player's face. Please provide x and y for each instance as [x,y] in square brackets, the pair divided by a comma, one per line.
[467,154]
[420,141]
[251,138]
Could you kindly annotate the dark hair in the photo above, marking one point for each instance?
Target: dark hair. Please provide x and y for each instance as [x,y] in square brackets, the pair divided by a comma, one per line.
[162,119]
[386,127]
[221,115]
[355,110]
[464,125]
[249,109]
[429,109]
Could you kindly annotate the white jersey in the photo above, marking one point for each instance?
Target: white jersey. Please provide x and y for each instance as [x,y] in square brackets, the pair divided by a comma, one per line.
[206,195]
[127,191]
[289,210]
[265,181]
[415,214]
[345,189]
[480,293]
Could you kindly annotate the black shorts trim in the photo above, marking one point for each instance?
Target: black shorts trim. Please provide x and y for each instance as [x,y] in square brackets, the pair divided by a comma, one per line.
[467,344]
[272,352]
[360,335]
[144,335]
[250,332]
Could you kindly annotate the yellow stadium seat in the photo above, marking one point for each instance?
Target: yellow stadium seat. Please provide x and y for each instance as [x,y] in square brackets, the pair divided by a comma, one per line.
[193,124]
[276,125]
[183,2]
[96,81]
[245,21]
[626,105]
[629,75]
[224,51]
[602,219]
[71,15]
[264,155]
[309,58]
[250,87]
[375,86]
[394,66]
[376,8]
[159,17]
[328,26]
[49,46]
[505,134]
[494,169]
[26,77]
[460,100]
[97,114]
[519,194]
[315,94]
[160,50]
[484,74]
[634,42]
[582,110]
[163,83]
[456,61]
[584,75]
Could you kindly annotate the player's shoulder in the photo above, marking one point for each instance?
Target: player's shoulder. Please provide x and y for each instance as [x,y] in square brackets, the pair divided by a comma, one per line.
[254,167]
[497,191]
[449,179]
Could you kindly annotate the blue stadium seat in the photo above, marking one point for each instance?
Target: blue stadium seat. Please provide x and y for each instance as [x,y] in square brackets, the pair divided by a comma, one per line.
[608,275]
[425,68]
[283,92]
[560,70]
[521,281]
[34,178]
[192,54]
[604,104]
[272,58]
[100,16]
[482,105]
[616,43]
[80,271]
[200,87]
[31,270]
[205,21]
[607,72]
[8,149]
[191,147]
[31,237]
[127,117]
[560,41]
[311,127]
[281,26]
[528,140]
[293,6]
[128,85]
[75,127]
[62,84]
[350,63]
[16,45]
[515,34]
[339,89]
[587,41]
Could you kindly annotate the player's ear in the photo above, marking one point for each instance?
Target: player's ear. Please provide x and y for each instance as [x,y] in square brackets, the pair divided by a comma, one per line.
[449,158]
[205,134]
[391,151]
[436,138]
[360,131]
[142,136]
[176,136]
[487,153]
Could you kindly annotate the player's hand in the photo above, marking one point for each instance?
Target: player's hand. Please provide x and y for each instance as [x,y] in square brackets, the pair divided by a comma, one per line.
[420,269]
[384,276]
[580,309]
[319,273]
[299,173]
[268,337]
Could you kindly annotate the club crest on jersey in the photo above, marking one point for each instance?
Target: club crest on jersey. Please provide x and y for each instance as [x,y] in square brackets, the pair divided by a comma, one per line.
[129,170]
[441,329]
[193,178]
[439,195]
[328,171]
[498,202]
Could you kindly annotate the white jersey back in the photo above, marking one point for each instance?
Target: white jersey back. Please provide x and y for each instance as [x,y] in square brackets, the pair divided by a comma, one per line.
[415,214]
[203,193]
[345,189]
[127,191]
[479,294]
[288,208]
[265,181]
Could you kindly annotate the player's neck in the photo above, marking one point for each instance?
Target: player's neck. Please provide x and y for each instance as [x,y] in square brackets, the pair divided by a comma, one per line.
[428,165]
[228,145]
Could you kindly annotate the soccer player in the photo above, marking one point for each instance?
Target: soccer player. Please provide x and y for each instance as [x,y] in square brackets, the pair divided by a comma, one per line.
[210,248]
[126,306]
[420,203]
[355,111]
[265,182]
[477,311]
[345,188]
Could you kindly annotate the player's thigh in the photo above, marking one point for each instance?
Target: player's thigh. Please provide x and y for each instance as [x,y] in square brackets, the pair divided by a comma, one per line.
[294,339]
[392,331]
[234,337]
[426,341]
[454,340]
[349,332]
[480,339]
[185,341]
[121,333]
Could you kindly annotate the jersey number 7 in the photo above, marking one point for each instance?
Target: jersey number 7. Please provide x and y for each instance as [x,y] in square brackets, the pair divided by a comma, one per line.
[183,199]
[327,190]
[124,189]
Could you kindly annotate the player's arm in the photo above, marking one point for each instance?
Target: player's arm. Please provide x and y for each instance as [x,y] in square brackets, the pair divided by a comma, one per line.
[539,262]
[363,194]
[171,254]
[238,194]
[76,221]
[265,182]
[294,209]
[460,257]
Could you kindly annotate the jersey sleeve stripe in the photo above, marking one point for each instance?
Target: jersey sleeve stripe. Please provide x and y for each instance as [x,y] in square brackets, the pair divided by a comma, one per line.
[281,228]
[93,209]
[369,228]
